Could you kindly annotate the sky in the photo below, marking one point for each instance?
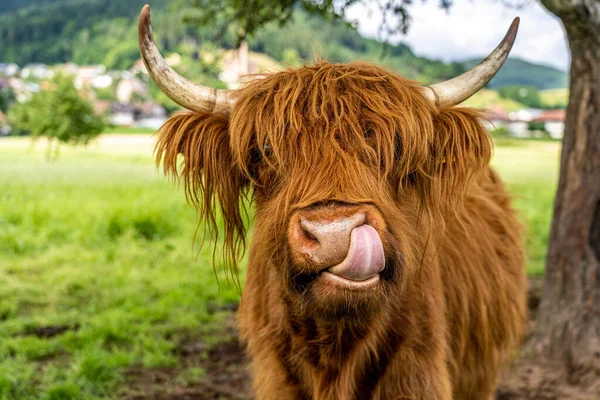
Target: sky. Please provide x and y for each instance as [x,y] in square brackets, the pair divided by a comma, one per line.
[473,28]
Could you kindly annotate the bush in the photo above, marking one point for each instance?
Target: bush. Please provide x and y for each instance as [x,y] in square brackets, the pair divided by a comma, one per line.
[59,113]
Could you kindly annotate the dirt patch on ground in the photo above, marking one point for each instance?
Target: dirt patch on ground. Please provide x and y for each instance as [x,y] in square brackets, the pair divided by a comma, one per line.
[226,374]
[539,379]
[532,379]
[50,331]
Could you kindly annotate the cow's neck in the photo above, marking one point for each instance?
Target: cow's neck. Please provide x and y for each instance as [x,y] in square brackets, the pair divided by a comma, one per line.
[331,355]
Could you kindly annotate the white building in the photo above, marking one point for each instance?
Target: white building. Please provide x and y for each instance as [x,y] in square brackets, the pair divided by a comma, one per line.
[9,70]
[236,66]
[519,129]
[38,71]
[92,76]
[554,122]
[127,87]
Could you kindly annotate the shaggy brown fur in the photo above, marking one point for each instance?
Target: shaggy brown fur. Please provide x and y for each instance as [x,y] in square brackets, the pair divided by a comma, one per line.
[450,306]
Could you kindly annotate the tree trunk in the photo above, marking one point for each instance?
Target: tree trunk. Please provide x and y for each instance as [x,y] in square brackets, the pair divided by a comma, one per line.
[568,321]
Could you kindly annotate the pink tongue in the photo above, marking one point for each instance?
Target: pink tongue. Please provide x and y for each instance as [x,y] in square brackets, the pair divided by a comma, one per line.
[365,257]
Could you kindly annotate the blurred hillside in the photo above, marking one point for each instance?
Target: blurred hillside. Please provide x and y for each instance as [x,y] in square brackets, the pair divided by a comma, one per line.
[9,5]
[105,32]
[518,72]
[80,31]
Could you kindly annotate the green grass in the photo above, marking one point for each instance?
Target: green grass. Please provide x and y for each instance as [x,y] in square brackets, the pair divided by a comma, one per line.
[100,244]
[530,170]
[127,130]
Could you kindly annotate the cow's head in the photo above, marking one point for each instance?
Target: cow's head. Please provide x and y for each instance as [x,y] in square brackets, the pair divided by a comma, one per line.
[351,169]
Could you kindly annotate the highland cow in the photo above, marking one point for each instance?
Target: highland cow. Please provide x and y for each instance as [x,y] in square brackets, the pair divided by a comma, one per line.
[386,261]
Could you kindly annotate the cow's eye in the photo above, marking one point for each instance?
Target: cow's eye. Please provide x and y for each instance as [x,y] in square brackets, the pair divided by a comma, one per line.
[398,149]
[267,150]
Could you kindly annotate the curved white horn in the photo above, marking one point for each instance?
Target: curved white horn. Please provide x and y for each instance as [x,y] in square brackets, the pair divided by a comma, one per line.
[182,91]
[457,90]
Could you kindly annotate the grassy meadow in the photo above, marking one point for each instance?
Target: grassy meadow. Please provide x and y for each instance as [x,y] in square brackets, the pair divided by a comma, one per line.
[98,273]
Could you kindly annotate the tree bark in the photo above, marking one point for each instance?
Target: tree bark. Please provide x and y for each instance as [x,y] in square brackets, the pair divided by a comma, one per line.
[568,320]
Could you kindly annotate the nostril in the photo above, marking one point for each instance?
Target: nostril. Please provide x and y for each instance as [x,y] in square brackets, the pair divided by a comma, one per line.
[309,235]
[308,230]
[323,238]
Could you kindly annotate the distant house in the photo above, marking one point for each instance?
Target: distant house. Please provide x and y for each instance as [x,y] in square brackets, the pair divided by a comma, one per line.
[145,115]
[23,89]
[128,87]
[236,66]
[102,81]
[519,122]
[495,118]
[9,69]
[150,115]
[525,114]
[38,71]
[498,118]
[92,76]
[120,114]
[519,129]
[240,64]
[554,122]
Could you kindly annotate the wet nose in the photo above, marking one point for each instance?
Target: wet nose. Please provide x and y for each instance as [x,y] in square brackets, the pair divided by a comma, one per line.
[325,240]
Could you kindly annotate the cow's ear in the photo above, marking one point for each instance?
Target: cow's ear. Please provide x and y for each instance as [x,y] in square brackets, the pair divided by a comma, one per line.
[461,149]
[194,148]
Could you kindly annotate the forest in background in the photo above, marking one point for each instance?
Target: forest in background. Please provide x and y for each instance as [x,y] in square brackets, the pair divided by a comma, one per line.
[105,32]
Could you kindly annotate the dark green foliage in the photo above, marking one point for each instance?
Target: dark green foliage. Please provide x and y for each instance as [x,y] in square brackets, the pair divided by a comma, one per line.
[520,72]
[527,95]
[249,17]
[10,5]
[245,17]
[61,30]
[536,126]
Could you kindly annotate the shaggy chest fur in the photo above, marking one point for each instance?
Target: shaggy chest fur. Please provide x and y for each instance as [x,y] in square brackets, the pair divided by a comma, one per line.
[400,352]
[342,360]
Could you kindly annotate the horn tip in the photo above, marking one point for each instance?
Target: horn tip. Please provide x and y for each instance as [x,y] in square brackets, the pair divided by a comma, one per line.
[144,26]
[145,14]
[511,35]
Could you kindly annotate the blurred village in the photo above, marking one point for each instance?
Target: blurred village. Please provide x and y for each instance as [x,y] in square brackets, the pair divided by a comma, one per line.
[129,99]
[126,98]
